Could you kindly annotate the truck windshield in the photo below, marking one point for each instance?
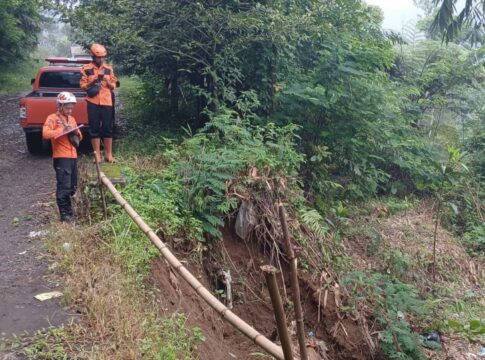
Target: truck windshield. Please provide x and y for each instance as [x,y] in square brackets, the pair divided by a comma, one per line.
[60,79]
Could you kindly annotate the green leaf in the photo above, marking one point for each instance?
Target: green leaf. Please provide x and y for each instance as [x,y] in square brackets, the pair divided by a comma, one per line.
[352,71]
[455,324]
[475,324]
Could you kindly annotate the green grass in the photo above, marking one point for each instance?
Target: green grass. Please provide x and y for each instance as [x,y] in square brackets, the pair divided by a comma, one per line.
[114,173]
[128,85]
[16,78]
[121,319]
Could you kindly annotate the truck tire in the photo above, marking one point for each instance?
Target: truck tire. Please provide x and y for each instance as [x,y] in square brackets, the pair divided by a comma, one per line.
[34,142]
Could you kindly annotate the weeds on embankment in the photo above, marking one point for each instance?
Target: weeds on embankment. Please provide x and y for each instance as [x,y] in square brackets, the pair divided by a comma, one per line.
[116,314]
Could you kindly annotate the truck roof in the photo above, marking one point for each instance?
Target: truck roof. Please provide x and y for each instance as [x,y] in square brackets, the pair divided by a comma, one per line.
[64,61]
[60,68]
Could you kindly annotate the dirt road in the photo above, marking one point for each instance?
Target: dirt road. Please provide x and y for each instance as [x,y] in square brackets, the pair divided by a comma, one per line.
[26,184]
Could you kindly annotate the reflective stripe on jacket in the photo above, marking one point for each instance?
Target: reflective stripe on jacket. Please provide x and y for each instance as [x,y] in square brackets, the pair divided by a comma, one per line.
[90,72]
[53,127]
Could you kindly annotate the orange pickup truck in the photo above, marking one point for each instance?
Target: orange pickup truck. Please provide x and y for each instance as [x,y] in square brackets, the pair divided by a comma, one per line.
[62,74]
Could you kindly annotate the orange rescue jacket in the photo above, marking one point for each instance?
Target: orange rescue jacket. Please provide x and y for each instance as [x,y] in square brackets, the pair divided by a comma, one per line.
[89,72]
[53,127]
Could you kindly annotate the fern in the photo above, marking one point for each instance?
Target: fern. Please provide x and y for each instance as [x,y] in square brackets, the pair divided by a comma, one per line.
[221,154]
[312,219]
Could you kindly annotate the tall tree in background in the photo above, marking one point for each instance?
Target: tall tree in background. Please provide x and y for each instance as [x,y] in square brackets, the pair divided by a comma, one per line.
[19,26]
[212,53]
[321,65]
[220,52]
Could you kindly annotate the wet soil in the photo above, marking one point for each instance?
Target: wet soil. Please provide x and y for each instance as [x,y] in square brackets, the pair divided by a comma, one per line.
[27,185]
[251,301]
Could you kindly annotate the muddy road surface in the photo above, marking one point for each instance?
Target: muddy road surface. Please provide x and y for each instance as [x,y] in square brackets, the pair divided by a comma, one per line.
[27,185]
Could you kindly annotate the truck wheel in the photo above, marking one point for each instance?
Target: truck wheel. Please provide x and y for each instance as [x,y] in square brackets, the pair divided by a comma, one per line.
[34,142]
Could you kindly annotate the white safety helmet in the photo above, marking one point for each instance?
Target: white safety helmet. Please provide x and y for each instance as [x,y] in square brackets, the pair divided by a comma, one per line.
[66,97]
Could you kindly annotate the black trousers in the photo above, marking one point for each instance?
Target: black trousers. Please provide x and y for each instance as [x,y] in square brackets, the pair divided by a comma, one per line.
[100,118]
[66,176]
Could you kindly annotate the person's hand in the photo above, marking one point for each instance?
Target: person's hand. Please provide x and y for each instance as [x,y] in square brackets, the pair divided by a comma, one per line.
[68,127]
[109,84]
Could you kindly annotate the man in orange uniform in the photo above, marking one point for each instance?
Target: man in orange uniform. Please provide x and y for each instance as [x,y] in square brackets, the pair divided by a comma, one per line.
[99,80]
[64,152]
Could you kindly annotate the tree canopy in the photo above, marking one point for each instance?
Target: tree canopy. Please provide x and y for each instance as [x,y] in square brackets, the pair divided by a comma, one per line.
[19,27]
[361,106]
[450,20]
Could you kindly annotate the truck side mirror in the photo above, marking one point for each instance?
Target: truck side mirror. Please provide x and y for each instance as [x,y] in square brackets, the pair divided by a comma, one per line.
[32,81]
[118,84]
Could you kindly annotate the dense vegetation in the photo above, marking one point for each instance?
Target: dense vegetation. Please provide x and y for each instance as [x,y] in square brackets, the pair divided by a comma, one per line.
[19,28]
[372,118]
[20,24]
[311,98]
[309,103]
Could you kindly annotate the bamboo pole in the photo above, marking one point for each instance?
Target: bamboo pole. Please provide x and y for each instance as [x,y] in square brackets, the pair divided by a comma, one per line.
[270,275]
[295,287]
[247,330]
[101,190]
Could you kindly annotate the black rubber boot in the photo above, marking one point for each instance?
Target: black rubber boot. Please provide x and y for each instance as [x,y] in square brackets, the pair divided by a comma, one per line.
[67,219]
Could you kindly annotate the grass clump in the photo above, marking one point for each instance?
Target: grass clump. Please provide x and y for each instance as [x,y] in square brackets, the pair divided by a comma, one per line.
[392,303]
[120,317]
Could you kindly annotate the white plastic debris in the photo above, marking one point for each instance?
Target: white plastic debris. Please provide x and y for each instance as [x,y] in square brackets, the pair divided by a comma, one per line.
[48,295]
[246,220]
[66,246]
[34,234]
[227,280]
